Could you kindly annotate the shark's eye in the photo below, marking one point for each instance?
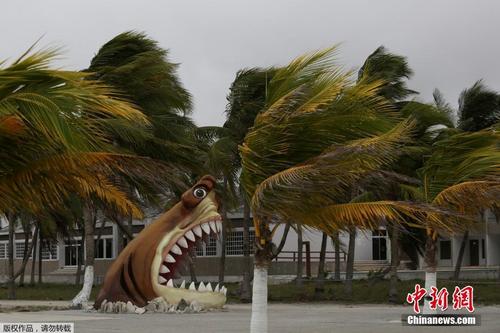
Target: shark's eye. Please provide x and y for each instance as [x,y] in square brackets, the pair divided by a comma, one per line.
[200,192]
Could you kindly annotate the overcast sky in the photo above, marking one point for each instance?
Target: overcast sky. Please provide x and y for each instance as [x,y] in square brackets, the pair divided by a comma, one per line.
[449,44]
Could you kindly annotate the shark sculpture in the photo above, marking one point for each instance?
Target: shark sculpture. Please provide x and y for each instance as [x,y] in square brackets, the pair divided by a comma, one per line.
[145,268]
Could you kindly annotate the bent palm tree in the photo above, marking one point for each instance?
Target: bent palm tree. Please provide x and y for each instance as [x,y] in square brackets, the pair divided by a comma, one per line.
[54,138]
[462,174]
[317,137]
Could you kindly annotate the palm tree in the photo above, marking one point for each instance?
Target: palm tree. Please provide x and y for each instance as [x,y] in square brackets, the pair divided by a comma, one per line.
[390,68]
[223,163]
[462,175]
[478,107]
[54,140]
[245,100]
[140,69]
[393,70]
[318,135]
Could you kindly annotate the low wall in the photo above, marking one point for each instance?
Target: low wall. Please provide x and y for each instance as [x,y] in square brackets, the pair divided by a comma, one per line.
[207,269]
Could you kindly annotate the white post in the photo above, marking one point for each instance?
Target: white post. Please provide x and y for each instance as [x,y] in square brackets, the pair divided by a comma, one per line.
[430,280]
[258,323]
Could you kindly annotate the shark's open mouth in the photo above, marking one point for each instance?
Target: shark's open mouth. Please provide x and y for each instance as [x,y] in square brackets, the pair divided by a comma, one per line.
[177,250]
[146,268]
[175,247]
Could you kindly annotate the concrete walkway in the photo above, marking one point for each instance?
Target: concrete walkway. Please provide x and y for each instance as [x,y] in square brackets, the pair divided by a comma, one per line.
[283,318]
[32,305]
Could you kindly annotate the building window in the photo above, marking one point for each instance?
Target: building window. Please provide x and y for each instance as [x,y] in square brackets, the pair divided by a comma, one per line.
[234,242]
[103,248]
[379,245]
[209,248]
[19,250]
[199,250]
[445,250]
[49,251]
[3,250]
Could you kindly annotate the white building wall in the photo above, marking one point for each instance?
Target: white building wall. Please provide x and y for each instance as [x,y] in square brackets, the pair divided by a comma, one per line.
[363,250]
[493,250]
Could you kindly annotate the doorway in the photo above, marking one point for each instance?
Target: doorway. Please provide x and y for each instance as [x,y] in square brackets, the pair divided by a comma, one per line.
[474,252]
[71,252]
[379,245]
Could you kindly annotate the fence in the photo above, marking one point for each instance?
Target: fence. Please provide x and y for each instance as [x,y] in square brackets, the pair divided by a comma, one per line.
[309,256]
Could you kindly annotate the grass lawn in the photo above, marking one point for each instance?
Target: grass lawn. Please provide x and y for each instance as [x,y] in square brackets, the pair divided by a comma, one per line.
[364,291]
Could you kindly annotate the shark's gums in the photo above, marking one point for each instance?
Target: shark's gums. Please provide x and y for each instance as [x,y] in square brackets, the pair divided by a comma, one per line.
[145,268]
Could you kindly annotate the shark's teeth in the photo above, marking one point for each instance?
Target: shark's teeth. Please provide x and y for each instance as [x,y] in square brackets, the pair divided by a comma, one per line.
[206,228]
[182,242]
[176,249]
[197,231]
[169,258]
[218,224]
[213,226]
[202,288]
[164,269]
[189,235]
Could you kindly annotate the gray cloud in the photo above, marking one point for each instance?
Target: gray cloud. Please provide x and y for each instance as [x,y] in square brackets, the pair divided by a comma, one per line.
[449,44]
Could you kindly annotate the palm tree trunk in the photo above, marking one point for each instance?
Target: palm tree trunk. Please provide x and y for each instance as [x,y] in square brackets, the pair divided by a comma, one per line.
[430,270]
[246,295]
[12,280]
[282,243]
[34,251]
[26,254]
[222,261]
[192,266]
[336,241]
[28,248]
[40,249]
[300,262]
[460,257]
[393,283]
[88,278]
[258,322]
[350,262]
[320,282]
[120,241]
[79,258]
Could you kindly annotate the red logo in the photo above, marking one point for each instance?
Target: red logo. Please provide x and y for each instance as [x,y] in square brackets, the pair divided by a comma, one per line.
[415,297]
[439,299]
[463,298]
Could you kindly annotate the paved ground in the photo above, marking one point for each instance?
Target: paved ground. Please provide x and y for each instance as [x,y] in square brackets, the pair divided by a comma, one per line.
[284,318]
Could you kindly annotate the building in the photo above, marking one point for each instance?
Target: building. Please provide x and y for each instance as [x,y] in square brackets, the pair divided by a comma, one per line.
[60,258]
